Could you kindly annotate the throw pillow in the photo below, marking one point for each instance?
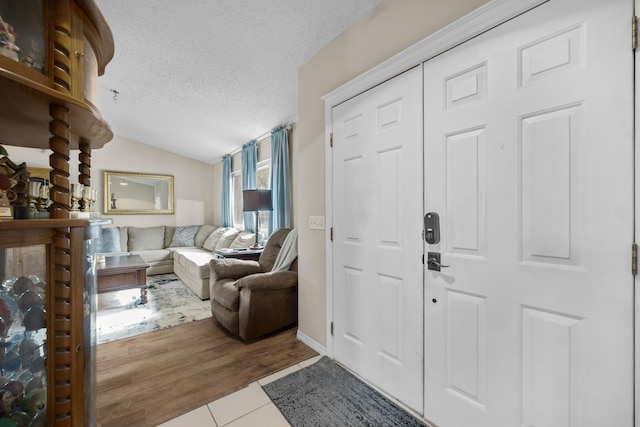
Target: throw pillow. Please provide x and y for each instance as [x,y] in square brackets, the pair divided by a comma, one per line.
[124,238]
[184,236]
[109,240]
[227,238]
[202,234]
[243,240]
[168,235]
[145,238]
[212,240]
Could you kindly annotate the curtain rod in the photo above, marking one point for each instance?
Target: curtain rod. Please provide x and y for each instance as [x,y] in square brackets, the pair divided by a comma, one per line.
[258,139]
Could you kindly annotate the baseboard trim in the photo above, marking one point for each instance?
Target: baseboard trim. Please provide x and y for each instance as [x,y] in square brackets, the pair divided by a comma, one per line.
[315,345]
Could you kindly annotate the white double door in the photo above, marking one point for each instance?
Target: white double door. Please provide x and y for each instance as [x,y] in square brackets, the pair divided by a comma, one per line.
[528,160]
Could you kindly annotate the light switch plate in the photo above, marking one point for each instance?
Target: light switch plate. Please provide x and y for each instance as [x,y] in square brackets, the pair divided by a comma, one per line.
[316,223]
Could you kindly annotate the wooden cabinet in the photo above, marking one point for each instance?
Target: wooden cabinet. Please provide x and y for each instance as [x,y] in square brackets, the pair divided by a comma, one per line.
[78,45]
[53,107]
[53,317]
[47,101]
[84,61]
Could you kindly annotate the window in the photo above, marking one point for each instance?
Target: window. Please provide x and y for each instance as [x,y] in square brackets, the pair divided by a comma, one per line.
[264,175]
[264,183]
[263,179]
[236,190]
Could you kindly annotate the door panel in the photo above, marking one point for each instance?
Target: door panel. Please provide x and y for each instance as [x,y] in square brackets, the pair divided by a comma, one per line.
[551,355]
[465,155]
[550,177]
[377,264]
[529,162]
[466,349]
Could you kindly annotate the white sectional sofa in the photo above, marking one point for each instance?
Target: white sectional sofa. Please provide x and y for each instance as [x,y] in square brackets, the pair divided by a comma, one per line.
[185,251]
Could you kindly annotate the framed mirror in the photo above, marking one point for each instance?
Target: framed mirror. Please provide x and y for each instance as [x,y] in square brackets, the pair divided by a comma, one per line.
[137,193]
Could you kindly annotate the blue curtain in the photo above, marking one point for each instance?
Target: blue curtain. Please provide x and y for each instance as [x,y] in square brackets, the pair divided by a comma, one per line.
[227,210]
[249,178]
[280,180]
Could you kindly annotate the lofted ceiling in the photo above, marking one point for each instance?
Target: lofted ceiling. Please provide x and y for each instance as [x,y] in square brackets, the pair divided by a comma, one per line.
[202,77]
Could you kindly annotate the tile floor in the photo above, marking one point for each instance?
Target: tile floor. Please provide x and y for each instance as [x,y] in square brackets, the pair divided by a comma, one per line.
[248,407]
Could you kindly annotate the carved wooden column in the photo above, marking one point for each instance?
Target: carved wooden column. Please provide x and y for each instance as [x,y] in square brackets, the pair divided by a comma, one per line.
[59,195]
[62,46]
[59,162]
[84,166]
[61,256]
[59,125]
[63,349]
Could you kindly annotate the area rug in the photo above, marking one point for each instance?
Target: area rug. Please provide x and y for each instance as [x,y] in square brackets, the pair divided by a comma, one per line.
[170,303]
[325,394]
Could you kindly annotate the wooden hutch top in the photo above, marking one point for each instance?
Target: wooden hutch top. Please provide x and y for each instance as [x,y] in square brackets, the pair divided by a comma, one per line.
[71,28]
[50,60]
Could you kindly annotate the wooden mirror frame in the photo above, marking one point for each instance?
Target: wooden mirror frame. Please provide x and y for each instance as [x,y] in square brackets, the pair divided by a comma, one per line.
[142,184]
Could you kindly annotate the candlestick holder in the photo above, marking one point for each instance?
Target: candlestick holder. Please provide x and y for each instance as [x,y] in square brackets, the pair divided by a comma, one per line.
[94,197]
[43,198]
[34,196]
[77,191]
[86,199]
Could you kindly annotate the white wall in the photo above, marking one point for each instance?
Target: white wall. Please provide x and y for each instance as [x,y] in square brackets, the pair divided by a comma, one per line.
[217,191]
[192,179]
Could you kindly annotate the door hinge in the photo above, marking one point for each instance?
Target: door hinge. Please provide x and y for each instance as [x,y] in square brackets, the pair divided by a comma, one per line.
[634,259]
[331,328]
[634,33]
[331,139]
[331,234]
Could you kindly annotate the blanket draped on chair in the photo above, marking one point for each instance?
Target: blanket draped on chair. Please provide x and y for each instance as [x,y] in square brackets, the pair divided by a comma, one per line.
[288,253]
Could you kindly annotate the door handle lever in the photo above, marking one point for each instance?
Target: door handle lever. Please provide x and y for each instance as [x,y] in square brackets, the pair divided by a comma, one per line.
[433,261]
[437,263]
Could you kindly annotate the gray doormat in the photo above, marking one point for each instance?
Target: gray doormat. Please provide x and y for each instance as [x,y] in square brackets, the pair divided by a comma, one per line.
[325,394]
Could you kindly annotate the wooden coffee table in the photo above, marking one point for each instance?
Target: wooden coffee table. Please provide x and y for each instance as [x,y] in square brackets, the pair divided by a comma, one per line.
[123,272]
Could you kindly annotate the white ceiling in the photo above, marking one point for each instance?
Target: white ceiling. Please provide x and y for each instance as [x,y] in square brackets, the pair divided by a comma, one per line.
[202,77]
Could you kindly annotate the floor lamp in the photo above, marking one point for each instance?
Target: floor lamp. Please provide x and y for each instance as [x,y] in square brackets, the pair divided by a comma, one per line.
[256,201]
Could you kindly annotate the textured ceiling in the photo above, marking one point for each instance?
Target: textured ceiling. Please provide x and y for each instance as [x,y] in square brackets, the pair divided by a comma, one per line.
[202,77]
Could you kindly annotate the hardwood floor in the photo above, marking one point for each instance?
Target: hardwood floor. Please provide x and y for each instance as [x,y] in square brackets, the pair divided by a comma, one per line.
[149,379]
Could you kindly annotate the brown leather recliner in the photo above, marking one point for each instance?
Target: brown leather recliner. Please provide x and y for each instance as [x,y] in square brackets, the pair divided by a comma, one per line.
[248,298]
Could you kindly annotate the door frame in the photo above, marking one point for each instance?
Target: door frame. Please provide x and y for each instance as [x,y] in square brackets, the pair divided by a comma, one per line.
[636,231]
[489,15]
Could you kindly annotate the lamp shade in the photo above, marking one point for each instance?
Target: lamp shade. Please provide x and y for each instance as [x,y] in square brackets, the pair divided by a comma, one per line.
[256,200]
